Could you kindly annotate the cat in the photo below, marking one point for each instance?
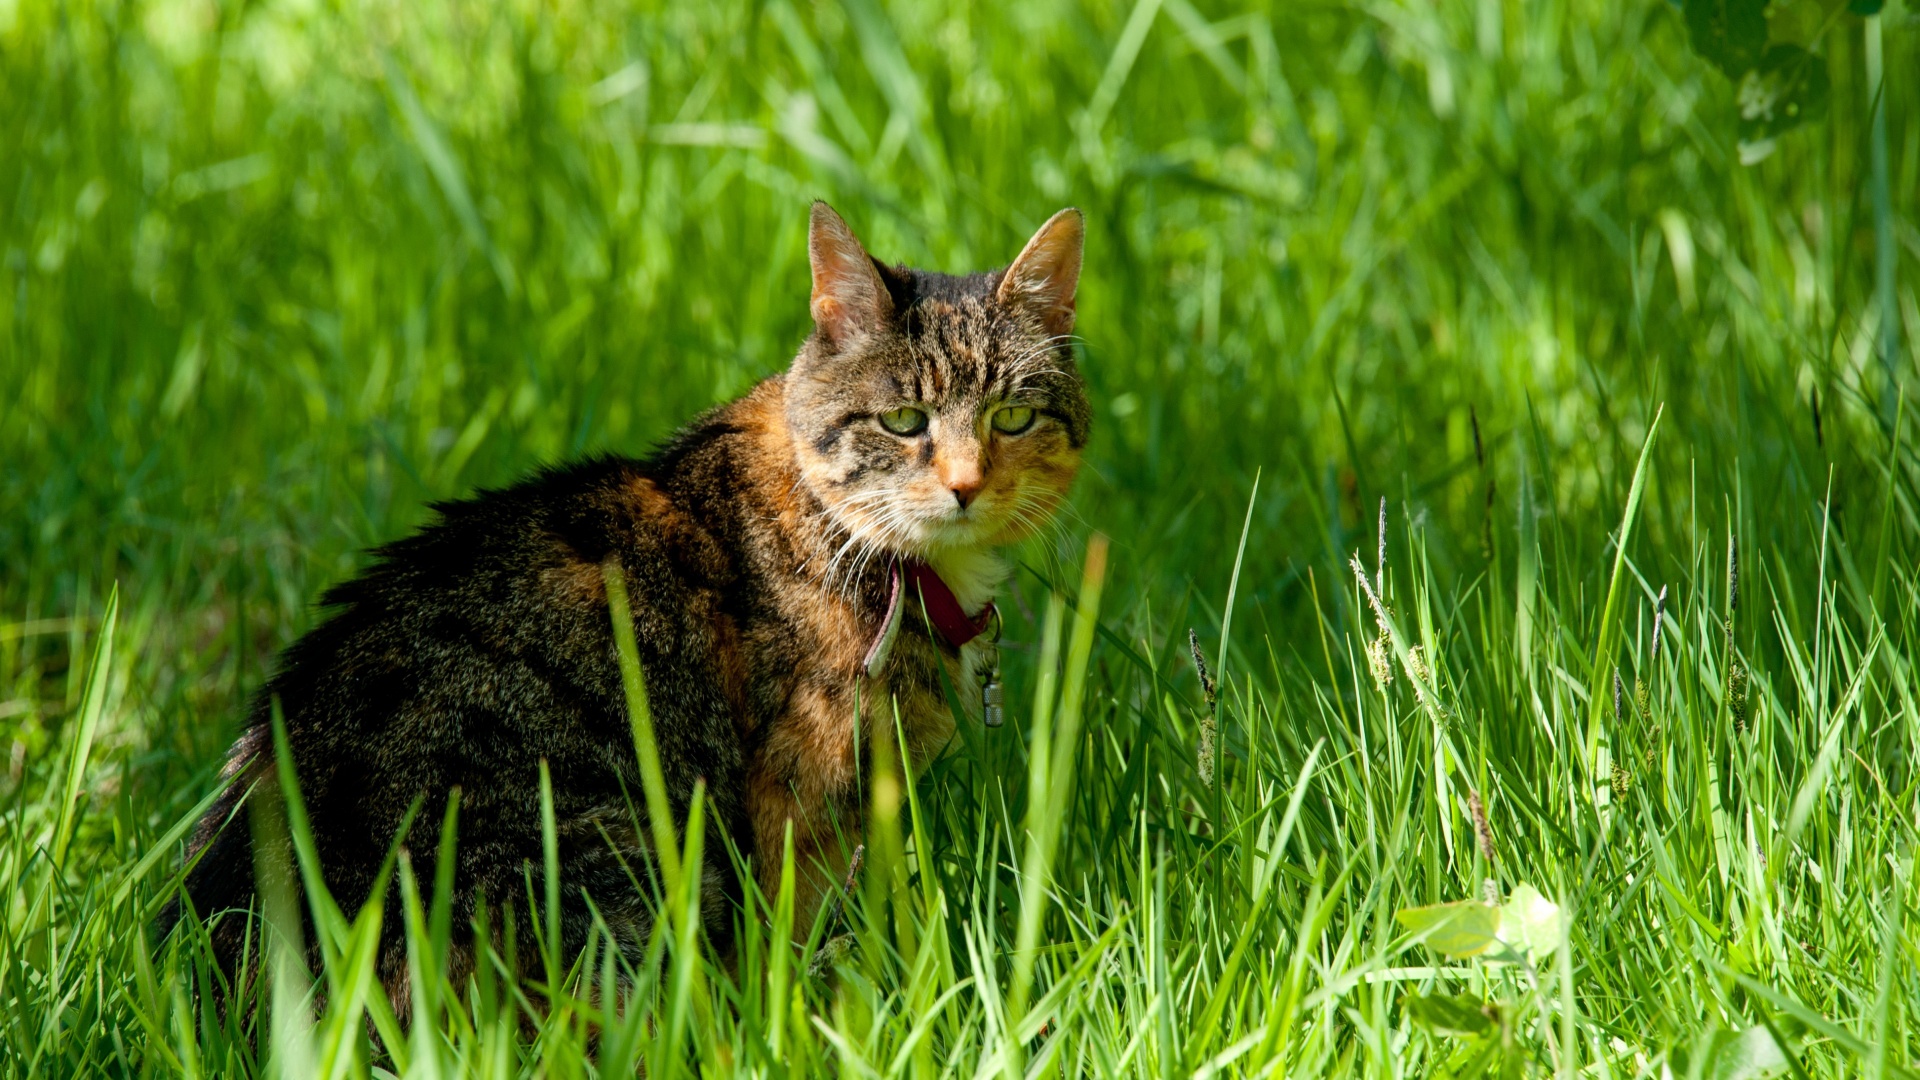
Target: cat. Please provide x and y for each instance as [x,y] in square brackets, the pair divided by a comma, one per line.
[823,547]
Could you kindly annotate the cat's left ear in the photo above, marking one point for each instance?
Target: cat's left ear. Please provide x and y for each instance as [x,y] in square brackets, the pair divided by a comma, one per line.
[1047,273]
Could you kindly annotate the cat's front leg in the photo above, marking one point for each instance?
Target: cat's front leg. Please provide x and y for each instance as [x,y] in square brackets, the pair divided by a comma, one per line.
[805,776]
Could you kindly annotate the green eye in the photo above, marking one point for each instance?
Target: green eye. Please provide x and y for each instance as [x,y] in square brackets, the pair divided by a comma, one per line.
[1013,419]
[907,421]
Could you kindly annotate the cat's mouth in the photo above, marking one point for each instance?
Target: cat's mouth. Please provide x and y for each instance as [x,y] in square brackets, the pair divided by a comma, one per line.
[960,527]
[999,517]
[918,525]
[921,533]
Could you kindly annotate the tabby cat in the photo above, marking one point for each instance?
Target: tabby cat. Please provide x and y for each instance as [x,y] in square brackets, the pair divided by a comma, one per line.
[826,540]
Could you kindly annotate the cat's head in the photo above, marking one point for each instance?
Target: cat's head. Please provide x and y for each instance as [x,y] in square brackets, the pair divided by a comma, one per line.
[932,412]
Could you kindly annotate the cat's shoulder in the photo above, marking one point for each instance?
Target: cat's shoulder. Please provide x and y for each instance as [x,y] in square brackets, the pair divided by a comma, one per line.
[495,532]
[575,513]
[609,487]
[730,435]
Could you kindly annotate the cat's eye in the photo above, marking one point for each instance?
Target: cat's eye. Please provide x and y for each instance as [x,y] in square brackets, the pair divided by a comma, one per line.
[1013,419]
[904,422]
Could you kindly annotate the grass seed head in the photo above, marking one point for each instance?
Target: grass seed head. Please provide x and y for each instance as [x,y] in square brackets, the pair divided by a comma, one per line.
[1420,673]
[1622,781]
[1659,614]
[1200,666]
[1482,831]
[1737,695]
[1379,662]
[1373,597]
[1380,562]
[1618,687]
[1206,755]
[1733,579]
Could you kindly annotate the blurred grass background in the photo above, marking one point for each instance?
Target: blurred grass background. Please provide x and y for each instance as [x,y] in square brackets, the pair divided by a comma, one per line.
[275,274]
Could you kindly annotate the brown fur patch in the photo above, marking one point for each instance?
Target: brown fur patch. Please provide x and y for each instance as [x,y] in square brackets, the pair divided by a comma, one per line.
[581,581]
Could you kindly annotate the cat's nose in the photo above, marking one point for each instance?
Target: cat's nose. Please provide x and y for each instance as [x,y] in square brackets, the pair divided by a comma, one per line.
[962,477]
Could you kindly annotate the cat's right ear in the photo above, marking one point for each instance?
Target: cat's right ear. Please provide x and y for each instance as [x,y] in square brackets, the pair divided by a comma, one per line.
[849,299]
[1047,274]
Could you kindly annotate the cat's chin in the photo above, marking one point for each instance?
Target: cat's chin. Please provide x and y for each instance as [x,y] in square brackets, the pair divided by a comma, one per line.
[958,533]
[937,541]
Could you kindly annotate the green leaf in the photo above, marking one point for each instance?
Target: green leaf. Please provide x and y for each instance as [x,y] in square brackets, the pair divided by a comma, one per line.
[1788,88]
[1605,646]
[1530,923]
[1527,925]
[1750,1055]
[92,703]
[1729,34]
[1462,928]
[1450,1014]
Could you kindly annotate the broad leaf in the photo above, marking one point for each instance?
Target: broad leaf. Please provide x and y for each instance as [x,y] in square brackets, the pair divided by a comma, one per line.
[1788,88]
[1730,34]
[1462,928]
[1750,1055]
[1530,923]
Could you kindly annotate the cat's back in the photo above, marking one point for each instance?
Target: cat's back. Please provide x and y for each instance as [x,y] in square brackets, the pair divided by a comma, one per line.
[466,653]
[504,573]
[500,605]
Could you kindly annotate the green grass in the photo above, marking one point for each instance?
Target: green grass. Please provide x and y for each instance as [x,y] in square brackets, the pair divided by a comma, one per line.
[274,275]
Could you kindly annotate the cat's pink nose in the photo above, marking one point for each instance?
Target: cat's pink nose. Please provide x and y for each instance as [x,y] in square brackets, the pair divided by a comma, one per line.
[964,479]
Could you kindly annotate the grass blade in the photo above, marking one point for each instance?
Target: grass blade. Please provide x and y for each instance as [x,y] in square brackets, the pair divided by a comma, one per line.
[92,703]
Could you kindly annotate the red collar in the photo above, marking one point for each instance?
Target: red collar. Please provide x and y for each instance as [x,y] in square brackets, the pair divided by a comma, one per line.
[942,609]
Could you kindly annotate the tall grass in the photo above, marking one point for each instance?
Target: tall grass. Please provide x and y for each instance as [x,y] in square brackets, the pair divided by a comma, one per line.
[278,274]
